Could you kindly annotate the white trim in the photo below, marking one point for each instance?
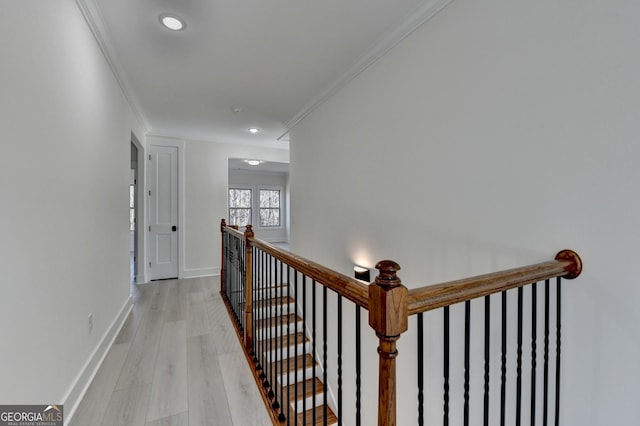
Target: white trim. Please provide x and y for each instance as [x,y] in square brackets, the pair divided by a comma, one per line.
[93,16]
[201,272]
[142,207]
[86,375]
[259,142]
[412,23]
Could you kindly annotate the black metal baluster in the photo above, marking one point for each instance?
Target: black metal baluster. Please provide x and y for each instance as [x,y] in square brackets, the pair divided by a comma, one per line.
[290,321]
[324,353]
[519,361]
[445,420]
[358,368]
[420,370]
[467,343]
[269,299]
[558,317]
[295,350]
[304,370]
[534,318]
[503,362]
[230,277]
[281,416]
[261,309]
[487,343]
[254,311]
[234,290]
[339,359]
[545,407]
[313,338]
[243,277]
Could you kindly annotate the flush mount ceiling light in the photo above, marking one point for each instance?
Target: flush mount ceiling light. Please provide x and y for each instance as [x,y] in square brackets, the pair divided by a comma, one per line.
[253,162]
[172,22]
[253,130]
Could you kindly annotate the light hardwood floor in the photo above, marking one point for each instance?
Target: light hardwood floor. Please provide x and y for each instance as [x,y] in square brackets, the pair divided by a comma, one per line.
[177,361]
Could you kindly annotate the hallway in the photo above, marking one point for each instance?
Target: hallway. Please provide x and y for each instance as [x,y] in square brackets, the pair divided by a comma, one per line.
[176,361]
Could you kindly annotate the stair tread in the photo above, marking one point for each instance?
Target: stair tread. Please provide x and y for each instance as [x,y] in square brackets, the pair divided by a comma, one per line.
[274,342]
[307,389]
[307,417]
[288,365]
[287,319]
[273,301]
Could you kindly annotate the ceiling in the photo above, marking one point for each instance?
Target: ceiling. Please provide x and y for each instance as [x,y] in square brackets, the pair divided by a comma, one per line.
[272,61]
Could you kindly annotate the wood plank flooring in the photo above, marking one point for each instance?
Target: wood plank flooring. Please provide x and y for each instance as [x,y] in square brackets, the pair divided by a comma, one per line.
[176,362]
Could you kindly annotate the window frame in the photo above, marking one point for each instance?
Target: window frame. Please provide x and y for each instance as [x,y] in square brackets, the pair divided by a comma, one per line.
[255,204]
[251,202]
[279,208]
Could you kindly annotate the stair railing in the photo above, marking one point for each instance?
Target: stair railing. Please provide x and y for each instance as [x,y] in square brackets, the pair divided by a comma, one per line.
[259,283]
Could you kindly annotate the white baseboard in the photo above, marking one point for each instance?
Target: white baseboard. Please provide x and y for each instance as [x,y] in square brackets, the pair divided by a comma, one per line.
[201,272]
[87,373]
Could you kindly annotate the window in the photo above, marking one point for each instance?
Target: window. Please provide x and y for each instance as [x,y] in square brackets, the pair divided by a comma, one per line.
[239,207]
[269,207]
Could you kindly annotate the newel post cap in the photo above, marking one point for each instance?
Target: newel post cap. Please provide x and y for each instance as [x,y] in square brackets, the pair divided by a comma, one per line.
[388,304]
[387,276]
[223,223]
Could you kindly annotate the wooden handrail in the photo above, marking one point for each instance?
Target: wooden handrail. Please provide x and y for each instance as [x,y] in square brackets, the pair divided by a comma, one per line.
[344,285]
[567,264]
[234,231]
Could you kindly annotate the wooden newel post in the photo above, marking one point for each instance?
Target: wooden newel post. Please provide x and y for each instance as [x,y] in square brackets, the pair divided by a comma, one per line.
[248,288]
[389,317]
[223,257]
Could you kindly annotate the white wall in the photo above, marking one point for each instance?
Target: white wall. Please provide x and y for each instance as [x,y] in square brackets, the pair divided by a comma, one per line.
[206,184]
[257,181]
[493,136]
[64,176]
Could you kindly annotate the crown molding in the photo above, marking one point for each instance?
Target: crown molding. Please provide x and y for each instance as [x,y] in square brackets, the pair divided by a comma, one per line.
[261,143]
[93,17]
[409,25]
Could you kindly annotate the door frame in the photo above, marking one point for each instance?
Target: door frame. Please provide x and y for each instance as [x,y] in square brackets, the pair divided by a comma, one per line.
[141,209]
[179,144]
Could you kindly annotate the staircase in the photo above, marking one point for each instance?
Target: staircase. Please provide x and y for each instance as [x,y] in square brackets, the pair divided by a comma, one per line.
[278,332]
[284,352]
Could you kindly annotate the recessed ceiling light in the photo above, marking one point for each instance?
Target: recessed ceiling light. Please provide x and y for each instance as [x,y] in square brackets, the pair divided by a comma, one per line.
[172,22]
[253,130]
[253,162]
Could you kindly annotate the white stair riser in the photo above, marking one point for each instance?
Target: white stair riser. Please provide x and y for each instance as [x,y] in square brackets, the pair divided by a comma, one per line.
[319,400]
[289,329]
[274,311]
[287,352]
[271,292]
[297,376]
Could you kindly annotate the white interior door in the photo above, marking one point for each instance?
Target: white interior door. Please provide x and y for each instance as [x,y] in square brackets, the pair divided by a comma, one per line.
[163,212]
